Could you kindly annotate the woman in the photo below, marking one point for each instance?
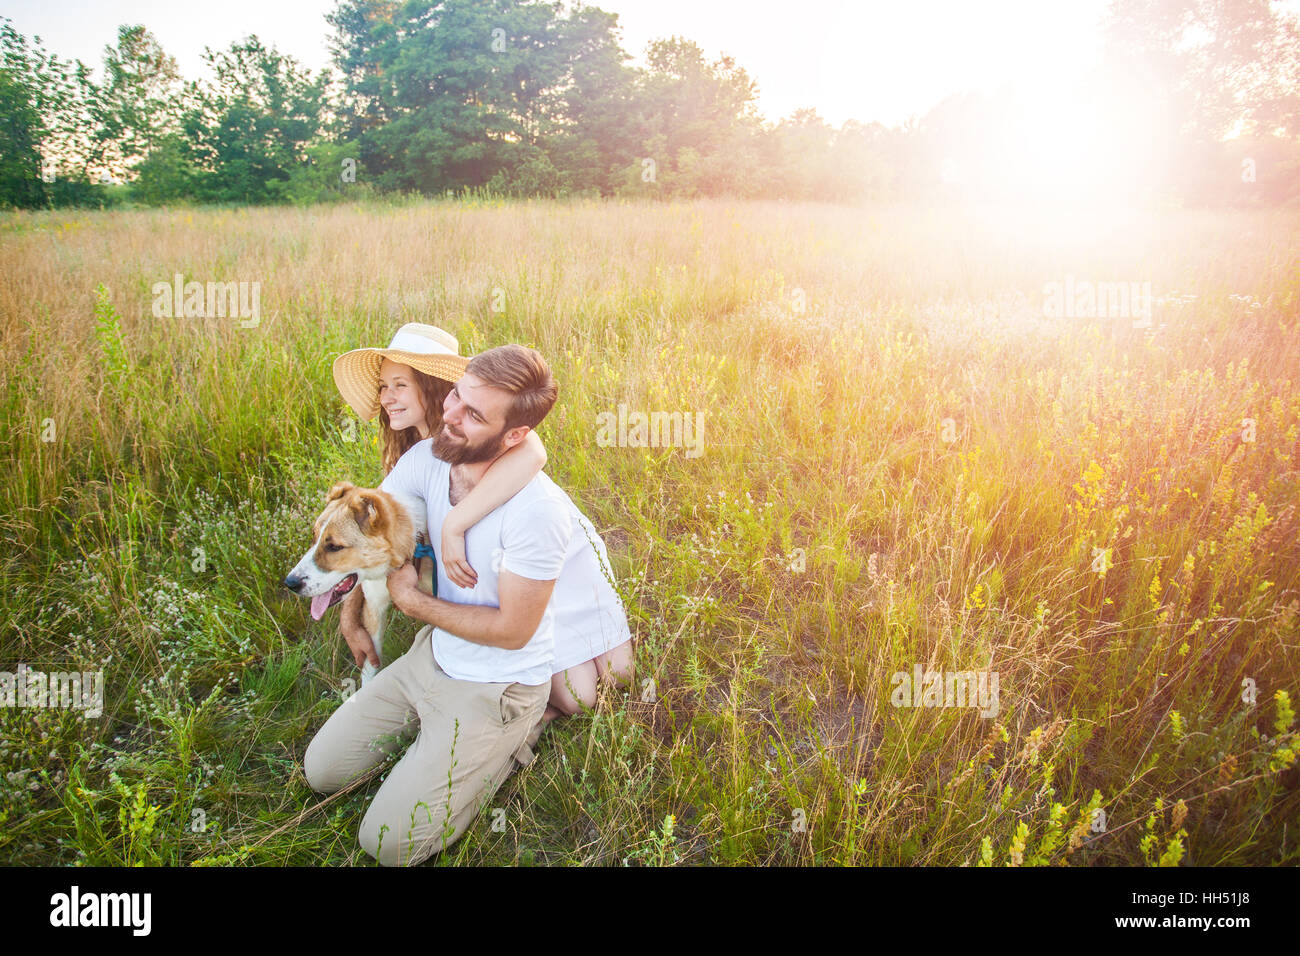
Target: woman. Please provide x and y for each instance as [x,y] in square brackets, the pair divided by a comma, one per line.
[406,385]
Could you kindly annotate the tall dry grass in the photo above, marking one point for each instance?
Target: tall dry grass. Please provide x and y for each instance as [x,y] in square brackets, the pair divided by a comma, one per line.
[906,464]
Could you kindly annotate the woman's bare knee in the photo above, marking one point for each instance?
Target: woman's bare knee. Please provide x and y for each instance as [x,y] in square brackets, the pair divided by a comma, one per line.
[616,666]
[574,689]
[565,704]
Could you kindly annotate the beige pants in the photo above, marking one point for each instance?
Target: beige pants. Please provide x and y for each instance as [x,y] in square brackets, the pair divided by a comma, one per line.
[471,737]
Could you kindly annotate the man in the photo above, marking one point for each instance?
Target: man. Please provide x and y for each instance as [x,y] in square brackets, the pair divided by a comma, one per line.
[477,677]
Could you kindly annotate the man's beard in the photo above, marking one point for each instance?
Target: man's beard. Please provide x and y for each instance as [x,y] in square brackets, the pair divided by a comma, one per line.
[455,452]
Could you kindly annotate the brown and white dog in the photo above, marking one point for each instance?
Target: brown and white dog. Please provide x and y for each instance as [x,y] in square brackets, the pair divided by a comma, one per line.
[362,534]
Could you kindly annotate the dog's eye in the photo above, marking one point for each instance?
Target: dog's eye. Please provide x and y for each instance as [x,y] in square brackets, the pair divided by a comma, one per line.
[333,547]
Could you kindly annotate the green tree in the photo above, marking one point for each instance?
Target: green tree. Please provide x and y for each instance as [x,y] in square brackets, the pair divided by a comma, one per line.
[1219,82]
[1223,66]
[168,174]
[46,153]
[139,103]
[696,121]
[428,88]
[20,131]
[806,144]
[596,133]
[330,173]
[459,93]
[250,127]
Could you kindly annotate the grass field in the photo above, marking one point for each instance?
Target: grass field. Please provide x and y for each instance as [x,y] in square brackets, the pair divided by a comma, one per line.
[906,464]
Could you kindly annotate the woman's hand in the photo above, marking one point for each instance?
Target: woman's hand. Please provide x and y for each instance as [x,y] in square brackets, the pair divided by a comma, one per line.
[454,561]
[505,478]
[354,632]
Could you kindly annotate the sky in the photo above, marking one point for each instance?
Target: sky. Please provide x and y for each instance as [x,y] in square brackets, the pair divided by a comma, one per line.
[866,60]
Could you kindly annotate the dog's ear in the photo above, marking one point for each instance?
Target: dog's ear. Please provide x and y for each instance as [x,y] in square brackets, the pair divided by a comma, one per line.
[369,510]
[339,490]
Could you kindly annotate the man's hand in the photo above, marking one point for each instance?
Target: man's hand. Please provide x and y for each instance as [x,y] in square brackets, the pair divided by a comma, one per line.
[354,632]
[403,588]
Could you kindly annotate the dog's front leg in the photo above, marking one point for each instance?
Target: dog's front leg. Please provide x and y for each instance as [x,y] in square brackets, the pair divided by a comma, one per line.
[372,616]
[369,670]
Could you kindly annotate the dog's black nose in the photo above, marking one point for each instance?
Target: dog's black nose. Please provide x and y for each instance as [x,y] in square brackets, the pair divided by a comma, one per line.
[293,583]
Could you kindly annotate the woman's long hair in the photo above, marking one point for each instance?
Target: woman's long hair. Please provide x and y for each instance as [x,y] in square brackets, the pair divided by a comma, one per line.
[433,391]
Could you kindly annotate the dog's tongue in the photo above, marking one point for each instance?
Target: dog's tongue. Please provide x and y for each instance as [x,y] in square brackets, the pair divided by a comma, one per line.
[320,604]
[323,602]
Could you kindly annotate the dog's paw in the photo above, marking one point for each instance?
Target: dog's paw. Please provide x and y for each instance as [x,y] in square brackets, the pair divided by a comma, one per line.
[368,671]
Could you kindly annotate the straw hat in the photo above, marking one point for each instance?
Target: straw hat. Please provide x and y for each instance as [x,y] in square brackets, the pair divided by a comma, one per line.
[425,348]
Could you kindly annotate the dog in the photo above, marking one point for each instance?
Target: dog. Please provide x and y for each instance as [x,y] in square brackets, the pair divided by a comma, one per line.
[362,534]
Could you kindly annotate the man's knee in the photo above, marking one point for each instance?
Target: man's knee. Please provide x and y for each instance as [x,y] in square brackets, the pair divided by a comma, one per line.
[382,844]
[391,845]
[321,776]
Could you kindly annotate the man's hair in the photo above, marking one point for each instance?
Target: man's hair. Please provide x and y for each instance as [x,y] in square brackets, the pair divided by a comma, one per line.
[522,372]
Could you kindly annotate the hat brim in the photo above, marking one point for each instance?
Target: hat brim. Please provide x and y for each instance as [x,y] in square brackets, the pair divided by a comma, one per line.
[356,374]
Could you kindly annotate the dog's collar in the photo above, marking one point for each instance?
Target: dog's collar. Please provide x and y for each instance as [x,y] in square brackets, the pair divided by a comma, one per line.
[425,551]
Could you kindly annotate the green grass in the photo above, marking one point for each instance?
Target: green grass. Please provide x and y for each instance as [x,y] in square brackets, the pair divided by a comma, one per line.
[905,464]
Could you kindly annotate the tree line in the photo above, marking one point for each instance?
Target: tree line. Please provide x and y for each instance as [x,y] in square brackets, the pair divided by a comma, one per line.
[527,98]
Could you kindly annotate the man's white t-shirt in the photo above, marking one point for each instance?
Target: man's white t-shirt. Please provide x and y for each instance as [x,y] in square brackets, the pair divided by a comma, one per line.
[531,535]
[528,536]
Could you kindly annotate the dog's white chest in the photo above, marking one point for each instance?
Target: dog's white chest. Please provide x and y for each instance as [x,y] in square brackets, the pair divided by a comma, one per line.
[375,611]
[377,597]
